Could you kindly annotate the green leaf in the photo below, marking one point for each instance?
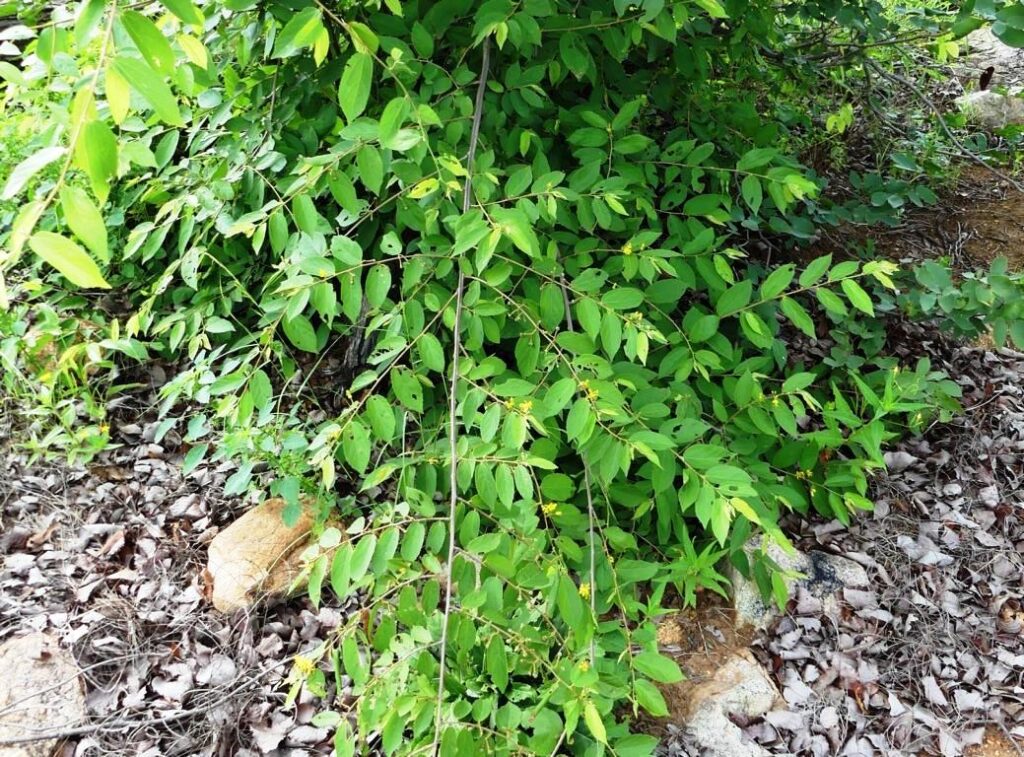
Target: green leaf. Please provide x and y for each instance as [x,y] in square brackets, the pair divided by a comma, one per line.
[516,226]
[88,21]
[753,193]
[831,302]
[316,580]
[22,227]
[703,456]
[431,352]
[378,284]
[355,667]
[658,667]
[514,388]
[363,38]
[193,458]
[354,90]
[301,31]
[703,328]
[756,158]
[84,219]
[735,298]
[68,258]
[362,555]
[798,316]
[777,281]
[815,270]
[355,443]
[185,10]
[371,168]
[96,154]
[648,697]
[391,121]
[623,298]
[118,93]
[381,418]
[341,566]
[858,297]
[261,389]
[702,205]
[412,544]
[594,722]
[557,486]
[497,662]
[29,167]
[151,87]
[301,333]
[407,388]
[304,211]
[151,42]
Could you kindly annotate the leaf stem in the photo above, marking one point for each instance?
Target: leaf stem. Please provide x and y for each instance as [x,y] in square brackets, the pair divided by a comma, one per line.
[467,198]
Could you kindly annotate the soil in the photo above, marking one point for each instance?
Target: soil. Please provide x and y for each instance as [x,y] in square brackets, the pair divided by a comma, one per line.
[699,640]
[996,744]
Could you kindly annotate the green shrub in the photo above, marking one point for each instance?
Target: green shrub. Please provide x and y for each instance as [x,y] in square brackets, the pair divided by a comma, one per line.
[278,185]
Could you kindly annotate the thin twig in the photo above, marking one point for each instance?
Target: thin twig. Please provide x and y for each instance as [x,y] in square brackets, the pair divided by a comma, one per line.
[590,497]
[467,198]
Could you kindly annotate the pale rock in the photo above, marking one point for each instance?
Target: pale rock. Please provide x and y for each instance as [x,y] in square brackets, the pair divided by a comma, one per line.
[985,49]
[256,557]
[992,110]
[41,692]
[820,574]
[740,687]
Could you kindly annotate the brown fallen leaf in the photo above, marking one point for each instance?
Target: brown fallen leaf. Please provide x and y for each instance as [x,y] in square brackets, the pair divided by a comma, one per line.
[110,472]
[39,538]
[113,544]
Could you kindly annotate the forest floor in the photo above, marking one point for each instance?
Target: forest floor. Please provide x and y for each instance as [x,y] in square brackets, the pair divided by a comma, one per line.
[109,558]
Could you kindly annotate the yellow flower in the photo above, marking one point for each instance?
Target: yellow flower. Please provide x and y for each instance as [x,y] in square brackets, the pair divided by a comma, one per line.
[304,666]
[525,406]
[104,428]
[627,248]
[775,401]
[588,391]
[549,508]
[585,591]
[584,665]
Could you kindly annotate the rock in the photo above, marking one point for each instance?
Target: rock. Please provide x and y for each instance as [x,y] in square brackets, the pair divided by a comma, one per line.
[823,575]
[740,687]
[41,691]
[991,109]
[256,557]
[985,49]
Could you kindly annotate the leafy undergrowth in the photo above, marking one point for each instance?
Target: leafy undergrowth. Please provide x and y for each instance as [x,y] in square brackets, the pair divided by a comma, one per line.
[481,279]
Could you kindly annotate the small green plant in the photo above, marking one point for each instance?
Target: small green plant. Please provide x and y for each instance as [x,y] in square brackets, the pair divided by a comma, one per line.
[970,305]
